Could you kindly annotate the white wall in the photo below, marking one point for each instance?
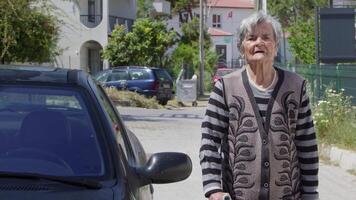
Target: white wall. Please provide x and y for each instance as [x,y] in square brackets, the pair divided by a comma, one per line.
[74,34]
[230,24]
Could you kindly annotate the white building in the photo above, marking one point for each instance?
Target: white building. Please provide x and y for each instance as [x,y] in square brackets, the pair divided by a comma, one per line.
[223,19]
[86,26]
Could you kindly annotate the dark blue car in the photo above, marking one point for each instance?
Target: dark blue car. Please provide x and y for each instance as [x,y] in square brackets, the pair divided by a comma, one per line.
[62,138]
[151,82]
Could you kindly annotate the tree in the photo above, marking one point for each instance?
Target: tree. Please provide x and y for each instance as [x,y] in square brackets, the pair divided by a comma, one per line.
[187,52]
[180,6]
[291,11]
[297,16]
[144,8]
[28,32]
[145,45]
[302,41]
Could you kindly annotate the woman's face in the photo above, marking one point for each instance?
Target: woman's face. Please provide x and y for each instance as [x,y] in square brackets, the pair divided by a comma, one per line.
[259,45]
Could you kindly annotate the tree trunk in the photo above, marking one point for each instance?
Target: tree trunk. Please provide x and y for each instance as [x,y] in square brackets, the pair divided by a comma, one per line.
[190,12]
[180,17]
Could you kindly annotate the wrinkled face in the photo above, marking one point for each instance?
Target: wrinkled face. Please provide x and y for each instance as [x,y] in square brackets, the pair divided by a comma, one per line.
[259,45]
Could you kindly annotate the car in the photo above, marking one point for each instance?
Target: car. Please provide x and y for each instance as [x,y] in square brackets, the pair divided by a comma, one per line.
[143,80]
[220,72]
[62,138]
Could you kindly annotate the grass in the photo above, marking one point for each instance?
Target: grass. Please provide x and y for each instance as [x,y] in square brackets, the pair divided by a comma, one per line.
[342,135]
[132,99]
[352,171]
[335,120]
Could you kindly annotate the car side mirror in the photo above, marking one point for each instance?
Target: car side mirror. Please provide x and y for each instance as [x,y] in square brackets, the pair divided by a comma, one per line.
[167,167]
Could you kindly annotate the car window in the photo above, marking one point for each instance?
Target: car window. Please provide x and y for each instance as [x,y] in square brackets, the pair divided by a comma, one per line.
[139,74]
[102,77]
[115,122]
[162,75]
[48,130]
[118,76]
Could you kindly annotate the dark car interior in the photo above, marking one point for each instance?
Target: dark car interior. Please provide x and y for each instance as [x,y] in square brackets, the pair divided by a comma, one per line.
[53,136]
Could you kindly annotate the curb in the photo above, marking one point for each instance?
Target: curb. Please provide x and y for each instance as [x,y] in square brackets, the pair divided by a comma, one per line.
[345,159]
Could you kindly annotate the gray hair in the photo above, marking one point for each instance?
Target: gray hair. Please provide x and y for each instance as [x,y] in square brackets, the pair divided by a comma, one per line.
[257,18]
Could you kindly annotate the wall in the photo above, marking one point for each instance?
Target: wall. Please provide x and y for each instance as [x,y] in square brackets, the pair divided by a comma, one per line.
[123,8]
[73,34]
[230,24]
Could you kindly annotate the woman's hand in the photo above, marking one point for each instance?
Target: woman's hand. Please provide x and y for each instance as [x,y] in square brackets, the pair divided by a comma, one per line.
[218,196]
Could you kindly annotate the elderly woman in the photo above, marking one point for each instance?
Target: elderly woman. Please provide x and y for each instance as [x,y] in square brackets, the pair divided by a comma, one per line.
[258,138]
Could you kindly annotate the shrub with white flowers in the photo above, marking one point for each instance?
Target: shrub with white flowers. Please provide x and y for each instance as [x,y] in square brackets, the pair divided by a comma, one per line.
[332,112]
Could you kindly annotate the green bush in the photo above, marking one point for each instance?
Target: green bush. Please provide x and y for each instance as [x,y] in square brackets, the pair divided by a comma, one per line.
[334,119]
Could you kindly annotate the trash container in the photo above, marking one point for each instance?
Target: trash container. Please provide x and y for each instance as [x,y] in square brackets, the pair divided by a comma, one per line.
[186,90]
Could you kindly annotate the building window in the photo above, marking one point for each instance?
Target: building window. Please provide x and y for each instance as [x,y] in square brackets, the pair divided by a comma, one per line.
[91,10]
[216,21]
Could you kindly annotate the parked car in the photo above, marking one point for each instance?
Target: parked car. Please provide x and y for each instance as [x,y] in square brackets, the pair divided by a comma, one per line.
[62,138]
[220,72]
[143,80]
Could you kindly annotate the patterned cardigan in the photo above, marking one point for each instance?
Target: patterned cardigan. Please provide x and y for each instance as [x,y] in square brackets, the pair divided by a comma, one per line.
[250,159]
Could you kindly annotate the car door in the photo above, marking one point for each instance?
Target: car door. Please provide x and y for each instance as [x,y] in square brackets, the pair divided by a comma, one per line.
[131,147]
[141,81]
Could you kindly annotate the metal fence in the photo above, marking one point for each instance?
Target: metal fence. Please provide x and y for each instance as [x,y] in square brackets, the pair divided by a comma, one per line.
[320,77]
[114,20]
[91,21]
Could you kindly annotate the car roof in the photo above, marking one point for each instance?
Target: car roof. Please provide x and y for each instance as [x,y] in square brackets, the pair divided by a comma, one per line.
[132,67]
[17,73]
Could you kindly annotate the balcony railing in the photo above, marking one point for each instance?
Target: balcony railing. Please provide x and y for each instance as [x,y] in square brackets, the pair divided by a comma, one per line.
[113,21]
[91,21]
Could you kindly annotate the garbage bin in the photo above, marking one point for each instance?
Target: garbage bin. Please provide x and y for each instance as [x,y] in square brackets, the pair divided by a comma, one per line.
[186,90]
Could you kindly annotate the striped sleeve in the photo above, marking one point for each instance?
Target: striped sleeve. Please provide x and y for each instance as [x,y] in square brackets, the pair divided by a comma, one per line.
[307,149]
[214,125]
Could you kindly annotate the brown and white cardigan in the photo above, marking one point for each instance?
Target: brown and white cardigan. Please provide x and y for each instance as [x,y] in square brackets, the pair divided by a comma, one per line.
[250,159]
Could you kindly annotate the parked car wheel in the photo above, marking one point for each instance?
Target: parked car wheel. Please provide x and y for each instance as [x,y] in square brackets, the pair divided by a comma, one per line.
[163,102]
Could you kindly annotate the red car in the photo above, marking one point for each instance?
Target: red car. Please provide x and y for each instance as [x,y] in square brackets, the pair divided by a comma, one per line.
[220,72]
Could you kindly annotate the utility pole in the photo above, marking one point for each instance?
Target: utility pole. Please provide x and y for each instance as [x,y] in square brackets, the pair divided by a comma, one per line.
[201,47]
[262,5]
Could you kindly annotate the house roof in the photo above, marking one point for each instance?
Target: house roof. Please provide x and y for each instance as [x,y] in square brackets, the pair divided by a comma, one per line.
[231,3]
[218,32]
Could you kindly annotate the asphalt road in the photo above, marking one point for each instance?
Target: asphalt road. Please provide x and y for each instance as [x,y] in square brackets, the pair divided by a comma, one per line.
[179,130]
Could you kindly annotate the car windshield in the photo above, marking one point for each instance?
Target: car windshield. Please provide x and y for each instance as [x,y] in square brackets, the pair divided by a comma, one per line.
[48,130]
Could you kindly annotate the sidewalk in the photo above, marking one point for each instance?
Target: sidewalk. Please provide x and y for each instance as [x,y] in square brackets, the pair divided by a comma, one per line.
[345,159]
